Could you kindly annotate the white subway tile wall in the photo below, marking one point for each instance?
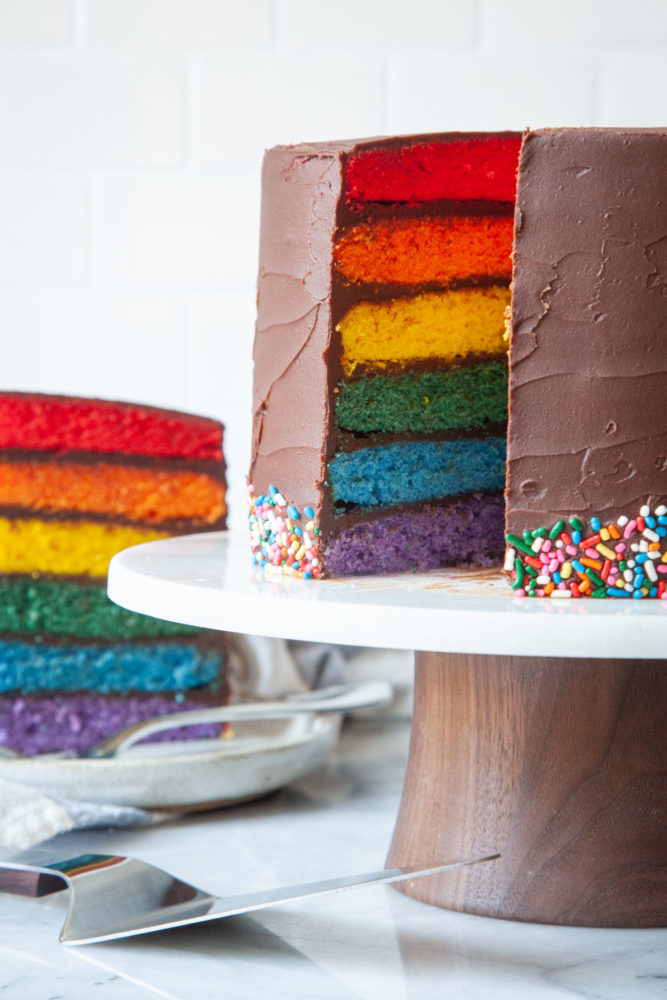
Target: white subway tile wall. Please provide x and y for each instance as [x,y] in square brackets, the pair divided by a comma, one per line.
[46,230]
[130,153]
[244,103]
[84,111]
[34,23]
[179,230]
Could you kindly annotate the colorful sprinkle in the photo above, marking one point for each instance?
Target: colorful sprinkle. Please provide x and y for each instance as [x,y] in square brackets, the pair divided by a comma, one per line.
[574,560]
[278,543]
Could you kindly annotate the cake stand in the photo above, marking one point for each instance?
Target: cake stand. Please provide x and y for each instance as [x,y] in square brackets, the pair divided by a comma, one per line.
[539,727]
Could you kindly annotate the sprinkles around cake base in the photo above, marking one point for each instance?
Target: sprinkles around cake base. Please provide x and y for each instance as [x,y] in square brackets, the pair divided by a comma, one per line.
[282,537]
[461,532]
[624,559]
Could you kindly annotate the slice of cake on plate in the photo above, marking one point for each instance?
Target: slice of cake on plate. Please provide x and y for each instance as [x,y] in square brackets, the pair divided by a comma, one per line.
[380,387]
[81,479]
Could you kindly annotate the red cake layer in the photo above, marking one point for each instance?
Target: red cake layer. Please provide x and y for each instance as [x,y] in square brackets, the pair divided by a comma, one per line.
[61,423]
[481,169]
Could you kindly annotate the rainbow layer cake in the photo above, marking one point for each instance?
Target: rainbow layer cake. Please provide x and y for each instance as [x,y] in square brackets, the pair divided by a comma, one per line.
[587,461]
[380,380]
[81,479]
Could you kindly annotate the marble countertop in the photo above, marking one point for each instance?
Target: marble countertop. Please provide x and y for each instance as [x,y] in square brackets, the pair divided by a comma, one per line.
[372,943]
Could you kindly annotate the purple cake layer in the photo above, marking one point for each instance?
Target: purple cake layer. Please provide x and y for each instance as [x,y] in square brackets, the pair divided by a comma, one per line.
[77,722]
[468,532]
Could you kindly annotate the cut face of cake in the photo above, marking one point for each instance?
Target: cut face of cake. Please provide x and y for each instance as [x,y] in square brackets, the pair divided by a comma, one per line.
[587,472]
[80,480]
[380,387]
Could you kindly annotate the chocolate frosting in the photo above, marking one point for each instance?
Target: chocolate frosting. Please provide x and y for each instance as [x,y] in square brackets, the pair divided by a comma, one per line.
[588,355]
[300,189]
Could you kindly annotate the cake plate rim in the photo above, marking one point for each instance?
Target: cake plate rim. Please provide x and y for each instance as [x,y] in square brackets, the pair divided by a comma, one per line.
[208,579]
[188,775]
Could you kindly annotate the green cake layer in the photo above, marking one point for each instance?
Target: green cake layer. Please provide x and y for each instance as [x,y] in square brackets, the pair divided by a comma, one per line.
[60,607]
[413,402]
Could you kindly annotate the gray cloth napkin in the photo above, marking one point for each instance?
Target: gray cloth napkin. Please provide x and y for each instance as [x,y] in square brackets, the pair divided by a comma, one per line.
[28,816]
[259,668]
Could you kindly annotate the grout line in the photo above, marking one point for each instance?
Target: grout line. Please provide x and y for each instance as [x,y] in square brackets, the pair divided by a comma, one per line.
[192,102]
[130,172]
[193,353]
[479,19]
[279,26]
[95,237]
[80,24]
[391,95]
[596,88]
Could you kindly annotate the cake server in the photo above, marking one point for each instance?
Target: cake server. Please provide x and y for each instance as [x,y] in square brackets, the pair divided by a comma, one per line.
[337,698]
[111,896]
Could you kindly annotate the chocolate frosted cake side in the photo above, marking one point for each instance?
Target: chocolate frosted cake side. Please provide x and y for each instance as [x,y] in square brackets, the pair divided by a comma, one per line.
[587,452]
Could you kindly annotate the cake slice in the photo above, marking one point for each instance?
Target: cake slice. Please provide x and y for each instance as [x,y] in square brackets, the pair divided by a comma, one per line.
[587,463]
[81,479]
[380,386]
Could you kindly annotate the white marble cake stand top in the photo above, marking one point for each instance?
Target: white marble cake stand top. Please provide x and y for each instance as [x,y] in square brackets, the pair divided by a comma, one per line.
[209,580]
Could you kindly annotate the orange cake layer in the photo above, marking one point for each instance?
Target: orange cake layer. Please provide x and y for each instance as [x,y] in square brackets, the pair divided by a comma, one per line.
[140,494]
[422,251]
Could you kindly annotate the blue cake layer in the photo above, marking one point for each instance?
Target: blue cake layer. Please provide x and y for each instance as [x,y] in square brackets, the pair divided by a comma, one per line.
[413,471]
[32,667]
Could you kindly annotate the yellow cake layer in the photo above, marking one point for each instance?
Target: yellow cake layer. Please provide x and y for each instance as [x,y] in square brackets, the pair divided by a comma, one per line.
[443,325]
[67,547]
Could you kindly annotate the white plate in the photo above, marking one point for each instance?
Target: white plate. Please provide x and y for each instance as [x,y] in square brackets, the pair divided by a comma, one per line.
[260,757]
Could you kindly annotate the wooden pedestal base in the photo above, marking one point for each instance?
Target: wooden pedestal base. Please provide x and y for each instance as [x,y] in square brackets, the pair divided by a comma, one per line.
[558,764]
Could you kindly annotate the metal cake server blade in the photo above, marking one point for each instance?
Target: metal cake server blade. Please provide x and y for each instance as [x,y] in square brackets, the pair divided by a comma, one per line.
[112,897]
